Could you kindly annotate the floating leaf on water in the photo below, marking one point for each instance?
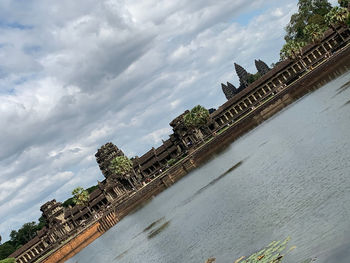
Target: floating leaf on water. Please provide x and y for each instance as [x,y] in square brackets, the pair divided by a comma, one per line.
[292,248]
[238,260]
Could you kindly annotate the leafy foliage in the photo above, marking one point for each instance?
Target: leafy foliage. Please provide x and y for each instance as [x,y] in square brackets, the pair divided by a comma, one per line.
[80,196]
[314,32]
[292,49]
[171,162]
[253,77]
[121,165]
[70,201]
[270,254]
[337,15]
[6,249]
[309,12]
[197,117]
[8,260]
[24,234]
[344,3]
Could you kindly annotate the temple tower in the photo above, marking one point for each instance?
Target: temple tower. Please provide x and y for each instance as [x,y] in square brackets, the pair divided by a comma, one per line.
[229,90]
[261,67]
[53,212]
[242,75]
[105,155]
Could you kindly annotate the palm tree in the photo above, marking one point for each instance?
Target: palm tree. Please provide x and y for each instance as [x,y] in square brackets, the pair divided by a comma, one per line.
[81,197]
[337,16]
[344,3]
[293,50]
[314,32]
[122,166]
[197,118]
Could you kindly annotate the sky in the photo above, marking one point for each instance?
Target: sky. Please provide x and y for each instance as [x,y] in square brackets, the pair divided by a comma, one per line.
[77,74]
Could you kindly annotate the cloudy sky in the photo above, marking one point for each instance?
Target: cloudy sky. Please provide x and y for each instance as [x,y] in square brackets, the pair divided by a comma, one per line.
[77,74]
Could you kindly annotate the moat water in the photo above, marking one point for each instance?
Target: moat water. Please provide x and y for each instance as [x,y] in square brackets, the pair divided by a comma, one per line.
[288,177]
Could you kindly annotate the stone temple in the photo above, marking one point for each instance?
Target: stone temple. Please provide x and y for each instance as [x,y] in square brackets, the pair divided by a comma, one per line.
[148,171]
[230,90]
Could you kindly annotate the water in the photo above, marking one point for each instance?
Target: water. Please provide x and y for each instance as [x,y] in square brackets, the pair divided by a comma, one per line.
[289,177]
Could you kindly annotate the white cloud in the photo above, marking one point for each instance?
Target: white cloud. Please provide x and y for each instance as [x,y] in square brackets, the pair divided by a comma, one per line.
[77,74]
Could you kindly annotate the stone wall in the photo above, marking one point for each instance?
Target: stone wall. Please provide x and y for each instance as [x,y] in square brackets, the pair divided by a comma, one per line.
[75,245]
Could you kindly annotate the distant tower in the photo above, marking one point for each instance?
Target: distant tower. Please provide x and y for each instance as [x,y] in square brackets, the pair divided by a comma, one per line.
[242,75]
[53,212]
[261,67]
[105,155]
[227,91]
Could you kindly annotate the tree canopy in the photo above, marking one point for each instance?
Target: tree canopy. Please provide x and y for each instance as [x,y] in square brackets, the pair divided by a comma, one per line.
[8,260]
[121,165]
[344,3]
[337,15]
[197,117]
[80,196]
[309,12]
[19,237]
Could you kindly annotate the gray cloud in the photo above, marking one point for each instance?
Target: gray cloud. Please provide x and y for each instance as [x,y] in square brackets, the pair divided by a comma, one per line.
[76,74]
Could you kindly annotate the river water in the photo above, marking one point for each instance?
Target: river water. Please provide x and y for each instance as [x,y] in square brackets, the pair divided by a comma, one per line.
[289,177]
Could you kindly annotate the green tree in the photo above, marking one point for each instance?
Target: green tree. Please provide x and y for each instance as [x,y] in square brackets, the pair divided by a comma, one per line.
[344,3]
[198,117]
[337,16]
[253,77]
[292,50]
[42,222]
[81,197]
[309,12]
[122,167]
[6,249]
[8,260]
[26,233]
[314,32]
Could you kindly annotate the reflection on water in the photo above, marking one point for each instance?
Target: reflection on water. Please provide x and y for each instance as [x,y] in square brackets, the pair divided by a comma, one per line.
[295,185]
[121,255]
[153,224]
[211,183]
[158,230]
[343,87]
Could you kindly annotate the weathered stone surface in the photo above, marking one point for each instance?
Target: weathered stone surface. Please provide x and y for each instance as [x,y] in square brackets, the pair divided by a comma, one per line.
[262,67]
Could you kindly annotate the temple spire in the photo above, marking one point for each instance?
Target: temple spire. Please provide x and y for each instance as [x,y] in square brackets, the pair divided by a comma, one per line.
[228,90]
[242,75]
[261,67]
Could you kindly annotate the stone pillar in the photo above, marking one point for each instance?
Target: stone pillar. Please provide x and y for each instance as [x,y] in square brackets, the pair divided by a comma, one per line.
[329,44]
[36,250]
[26,256]
[308,59]
[312,53]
